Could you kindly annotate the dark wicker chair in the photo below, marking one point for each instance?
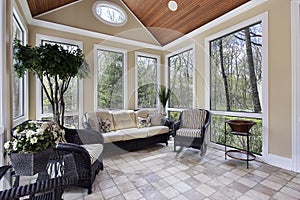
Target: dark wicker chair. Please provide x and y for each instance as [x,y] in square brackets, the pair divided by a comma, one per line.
[86,171]
[74,139]
[45,188]
[191,128]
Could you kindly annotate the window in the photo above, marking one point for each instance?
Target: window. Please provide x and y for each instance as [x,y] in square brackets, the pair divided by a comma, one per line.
[111,78]
[109,13]
[20,85]
[147,80]
[181,80]
[236,83]
[73,98]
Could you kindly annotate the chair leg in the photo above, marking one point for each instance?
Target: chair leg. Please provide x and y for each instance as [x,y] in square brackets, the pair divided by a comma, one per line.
[203,149]
[174,147]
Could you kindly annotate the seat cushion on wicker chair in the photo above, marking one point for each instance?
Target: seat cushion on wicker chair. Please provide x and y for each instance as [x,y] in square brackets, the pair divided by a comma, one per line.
[95,150]
[188,132]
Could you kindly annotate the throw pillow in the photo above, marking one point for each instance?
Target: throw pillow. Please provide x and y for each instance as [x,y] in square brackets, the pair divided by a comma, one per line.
[104,125]
[143,122]
[157,120]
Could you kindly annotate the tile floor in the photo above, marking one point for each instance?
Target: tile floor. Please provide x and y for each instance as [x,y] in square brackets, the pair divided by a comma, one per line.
[159,173]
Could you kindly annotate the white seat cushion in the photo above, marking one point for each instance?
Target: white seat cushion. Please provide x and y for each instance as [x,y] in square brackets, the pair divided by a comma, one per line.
[133,133]
[95,150]
[113,136]
[156,130]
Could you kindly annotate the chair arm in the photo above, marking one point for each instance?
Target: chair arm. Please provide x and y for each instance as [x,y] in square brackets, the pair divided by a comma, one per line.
[176,126]
[81,155]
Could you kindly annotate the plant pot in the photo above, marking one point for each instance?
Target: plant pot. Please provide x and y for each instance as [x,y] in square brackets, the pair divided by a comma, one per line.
[242,126]
[28,164]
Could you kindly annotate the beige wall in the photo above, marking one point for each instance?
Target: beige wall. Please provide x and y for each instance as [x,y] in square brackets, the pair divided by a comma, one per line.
[279,69]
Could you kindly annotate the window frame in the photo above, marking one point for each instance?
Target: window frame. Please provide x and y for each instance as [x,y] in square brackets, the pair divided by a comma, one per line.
[39,106]
[263,18]
[167,74]
[17,16]
[125,81]
[158,74]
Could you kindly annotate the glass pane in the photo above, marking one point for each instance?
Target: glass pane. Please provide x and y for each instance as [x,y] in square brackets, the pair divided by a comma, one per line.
[181,80]
[147,82]
[18,83]
[110,80]
[69,121]
[110,14]
[218,129]
[236,71]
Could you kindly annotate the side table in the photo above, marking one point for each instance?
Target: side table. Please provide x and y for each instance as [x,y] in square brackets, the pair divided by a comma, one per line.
[240,128]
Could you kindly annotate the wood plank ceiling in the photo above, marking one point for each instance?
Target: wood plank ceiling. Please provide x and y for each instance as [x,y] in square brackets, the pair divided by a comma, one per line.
[165,25]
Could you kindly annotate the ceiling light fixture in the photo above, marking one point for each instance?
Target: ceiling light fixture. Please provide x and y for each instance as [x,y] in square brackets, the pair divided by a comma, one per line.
[172,5]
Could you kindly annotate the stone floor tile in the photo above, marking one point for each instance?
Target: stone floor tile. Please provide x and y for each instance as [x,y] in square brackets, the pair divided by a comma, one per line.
[247,182]
[171,179]
[111,192]
[291,192]
[181,187]
[205,190]
[257,195]
[271,184]
[265,190]
[160,184]
[169,192]
[132,195]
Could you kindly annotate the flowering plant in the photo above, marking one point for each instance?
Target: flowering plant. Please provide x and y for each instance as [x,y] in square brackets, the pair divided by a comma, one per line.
[34,136]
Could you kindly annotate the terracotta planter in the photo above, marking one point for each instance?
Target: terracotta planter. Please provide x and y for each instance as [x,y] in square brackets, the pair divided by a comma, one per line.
[28,164]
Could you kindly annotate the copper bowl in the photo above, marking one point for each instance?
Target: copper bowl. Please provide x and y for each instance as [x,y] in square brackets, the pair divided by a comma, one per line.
[240,125]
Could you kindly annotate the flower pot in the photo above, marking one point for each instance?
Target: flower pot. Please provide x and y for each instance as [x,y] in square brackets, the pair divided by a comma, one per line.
[28,164]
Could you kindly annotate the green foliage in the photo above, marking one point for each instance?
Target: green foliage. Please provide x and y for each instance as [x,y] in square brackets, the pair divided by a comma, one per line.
[163,95]
[55,67]
[218,129]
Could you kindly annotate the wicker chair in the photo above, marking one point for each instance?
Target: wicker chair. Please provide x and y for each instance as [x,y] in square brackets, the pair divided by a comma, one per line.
[86,170]
[45,188]
[76,141]
[190,130]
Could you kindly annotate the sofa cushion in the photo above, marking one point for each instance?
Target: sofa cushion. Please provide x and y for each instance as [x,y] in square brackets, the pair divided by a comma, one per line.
[94,150]
[145,112]
[157,119]
[104,115]
[124,119]
[156,130]
[143,122]
[133,133]
[105,125]
[113,136]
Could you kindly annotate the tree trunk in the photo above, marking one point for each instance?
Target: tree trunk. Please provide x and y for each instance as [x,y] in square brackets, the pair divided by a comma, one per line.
[224,76]
[253,80]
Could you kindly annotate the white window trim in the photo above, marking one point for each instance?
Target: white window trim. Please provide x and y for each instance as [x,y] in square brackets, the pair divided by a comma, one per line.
[158,67]
[265,119]
[191,46]
[39,114]
[295,43]
[22,23]
[125,71]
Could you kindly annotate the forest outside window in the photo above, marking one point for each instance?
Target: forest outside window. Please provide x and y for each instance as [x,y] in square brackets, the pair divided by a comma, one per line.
[236,83]
[110,79]
[181,81]
[147,81]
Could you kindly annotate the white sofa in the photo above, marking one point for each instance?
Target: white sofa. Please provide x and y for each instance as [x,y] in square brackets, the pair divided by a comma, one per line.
[129,129]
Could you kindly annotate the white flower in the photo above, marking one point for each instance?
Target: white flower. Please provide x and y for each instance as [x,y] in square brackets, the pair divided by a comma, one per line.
[15,133]
[29,133]
[33,140]
[7,144]
[39,131]
[15,143]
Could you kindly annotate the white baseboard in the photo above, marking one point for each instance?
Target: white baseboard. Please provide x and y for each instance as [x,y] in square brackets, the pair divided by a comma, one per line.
[279,161]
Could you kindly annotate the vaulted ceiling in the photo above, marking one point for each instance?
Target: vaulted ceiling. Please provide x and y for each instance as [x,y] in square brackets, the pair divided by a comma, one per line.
[165,25]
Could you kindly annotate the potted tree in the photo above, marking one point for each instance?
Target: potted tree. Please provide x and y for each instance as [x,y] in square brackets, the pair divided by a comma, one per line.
[55,67]
[163,96]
